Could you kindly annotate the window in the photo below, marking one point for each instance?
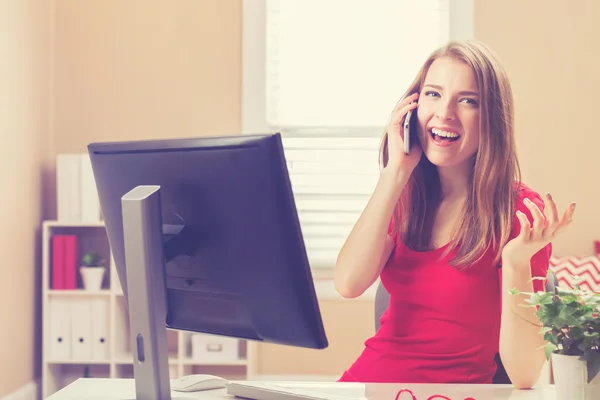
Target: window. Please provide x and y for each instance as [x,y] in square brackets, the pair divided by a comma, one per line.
[326,74]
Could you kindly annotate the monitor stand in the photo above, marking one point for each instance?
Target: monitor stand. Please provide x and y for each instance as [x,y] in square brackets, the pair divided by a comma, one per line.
[146,292]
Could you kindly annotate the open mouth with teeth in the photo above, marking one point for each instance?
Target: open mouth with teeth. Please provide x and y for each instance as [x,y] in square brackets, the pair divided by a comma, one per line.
[441,136]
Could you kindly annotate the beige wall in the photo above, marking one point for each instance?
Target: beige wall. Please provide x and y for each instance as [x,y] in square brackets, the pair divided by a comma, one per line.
[156,69]
[550,49]
[23,128]
[146,69]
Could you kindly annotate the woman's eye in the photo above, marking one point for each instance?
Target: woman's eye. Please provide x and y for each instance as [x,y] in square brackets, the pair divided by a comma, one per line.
[472,102]
[432,93]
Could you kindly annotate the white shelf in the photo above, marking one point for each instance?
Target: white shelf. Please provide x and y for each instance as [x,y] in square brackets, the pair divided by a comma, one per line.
[78,293]
[58,372]
[79,362]
[62,224]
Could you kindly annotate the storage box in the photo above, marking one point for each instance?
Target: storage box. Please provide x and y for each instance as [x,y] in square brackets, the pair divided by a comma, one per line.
[212,348]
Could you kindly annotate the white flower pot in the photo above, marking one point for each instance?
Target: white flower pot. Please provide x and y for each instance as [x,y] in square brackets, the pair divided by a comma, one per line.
[92,277]
[571,379]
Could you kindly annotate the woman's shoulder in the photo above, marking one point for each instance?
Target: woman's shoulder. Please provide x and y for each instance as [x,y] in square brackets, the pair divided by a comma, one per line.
[540,261]
[522,192]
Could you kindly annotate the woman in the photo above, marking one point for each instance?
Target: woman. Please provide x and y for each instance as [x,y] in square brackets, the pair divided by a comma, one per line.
[449,229]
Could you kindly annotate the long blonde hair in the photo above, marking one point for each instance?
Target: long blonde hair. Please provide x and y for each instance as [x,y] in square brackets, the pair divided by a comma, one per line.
[490,205]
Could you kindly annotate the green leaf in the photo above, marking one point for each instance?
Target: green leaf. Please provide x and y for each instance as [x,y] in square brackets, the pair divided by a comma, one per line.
[566,315]
[576,332]
[569,298]
[588,315]
[513,291]
[549,348]
[591,335]
[548,314]
[544,298]
[563,291]
[92,259]
[551,338]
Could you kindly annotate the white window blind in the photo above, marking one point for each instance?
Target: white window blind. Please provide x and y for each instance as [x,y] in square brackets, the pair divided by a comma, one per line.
[332,180]
[326,74]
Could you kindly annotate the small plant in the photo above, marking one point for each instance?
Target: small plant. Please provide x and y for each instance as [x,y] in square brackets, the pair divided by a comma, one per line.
[570,323]
[93,259]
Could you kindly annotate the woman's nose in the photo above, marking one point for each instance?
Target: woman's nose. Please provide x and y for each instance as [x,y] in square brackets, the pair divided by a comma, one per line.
[445,112]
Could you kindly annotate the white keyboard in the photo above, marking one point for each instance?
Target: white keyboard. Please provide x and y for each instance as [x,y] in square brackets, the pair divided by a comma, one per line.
[296,390]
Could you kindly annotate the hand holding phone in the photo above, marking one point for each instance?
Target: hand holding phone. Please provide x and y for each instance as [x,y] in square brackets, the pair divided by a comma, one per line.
[400,135]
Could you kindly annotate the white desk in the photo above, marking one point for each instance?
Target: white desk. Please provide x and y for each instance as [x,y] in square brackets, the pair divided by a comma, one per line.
[120,389]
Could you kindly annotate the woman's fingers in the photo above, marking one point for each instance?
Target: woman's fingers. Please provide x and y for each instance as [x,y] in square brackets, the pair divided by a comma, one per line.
[566,219]
[539,220]
[408,103]
[525,226]
[544,227]
[551,215]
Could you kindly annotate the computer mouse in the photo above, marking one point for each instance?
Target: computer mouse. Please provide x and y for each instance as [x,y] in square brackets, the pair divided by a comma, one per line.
[197,382]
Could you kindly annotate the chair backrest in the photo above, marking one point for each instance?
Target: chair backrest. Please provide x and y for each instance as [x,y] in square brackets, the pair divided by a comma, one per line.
[382,300]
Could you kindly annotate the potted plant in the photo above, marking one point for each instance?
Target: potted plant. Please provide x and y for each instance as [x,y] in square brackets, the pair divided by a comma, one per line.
[570,323]
[92,270]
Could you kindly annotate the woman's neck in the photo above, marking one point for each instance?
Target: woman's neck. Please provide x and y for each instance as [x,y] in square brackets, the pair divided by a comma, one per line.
[454,181]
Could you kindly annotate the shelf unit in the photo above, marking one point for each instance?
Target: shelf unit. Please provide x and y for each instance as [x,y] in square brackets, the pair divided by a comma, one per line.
[118,362]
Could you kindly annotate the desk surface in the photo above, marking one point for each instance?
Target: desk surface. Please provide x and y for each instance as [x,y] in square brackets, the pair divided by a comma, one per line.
[124,389]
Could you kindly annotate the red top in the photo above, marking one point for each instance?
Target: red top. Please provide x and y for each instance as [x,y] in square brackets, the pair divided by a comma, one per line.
[442,324]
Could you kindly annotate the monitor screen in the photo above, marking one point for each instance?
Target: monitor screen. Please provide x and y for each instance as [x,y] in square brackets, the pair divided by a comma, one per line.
[235,260]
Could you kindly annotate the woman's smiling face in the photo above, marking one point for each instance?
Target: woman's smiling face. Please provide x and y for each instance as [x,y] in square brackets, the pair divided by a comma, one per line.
[448,113]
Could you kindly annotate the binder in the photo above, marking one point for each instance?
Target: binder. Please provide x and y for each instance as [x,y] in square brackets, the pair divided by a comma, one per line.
[71,259]
[76,190]
[60,329]
[81,329]
[99,329]
[58,262]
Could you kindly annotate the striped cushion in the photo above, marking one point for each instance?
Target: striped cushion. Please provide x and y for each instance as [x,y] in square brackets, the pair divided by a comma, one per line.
[586,269]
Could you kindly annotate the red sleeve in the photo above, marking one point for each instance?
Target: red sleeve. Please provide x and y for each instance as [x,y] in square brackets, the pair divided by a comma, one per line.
[540,260]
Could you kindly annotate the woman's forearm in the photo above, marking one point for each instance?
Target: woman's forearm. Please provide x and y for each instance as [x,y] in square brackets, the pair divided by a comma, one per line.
[520,337]
[362,256]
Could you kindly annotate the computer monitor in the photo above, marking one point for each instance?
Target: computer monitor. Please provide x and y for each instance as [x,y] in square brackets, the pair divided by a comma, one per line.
[205,236]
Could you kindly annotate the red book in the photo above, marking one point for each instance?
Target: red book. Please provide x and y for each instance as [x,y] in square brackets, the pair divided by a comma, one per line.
[58,263]
[71,257]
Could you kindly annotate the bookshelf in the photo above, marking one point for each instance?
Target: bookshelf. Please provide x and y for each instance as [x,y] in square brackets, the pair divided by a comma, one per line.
[110,324]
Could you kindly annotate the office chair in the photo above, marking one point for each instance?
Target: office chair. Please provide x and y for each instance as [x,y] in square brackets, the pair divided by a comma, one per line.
[382,298]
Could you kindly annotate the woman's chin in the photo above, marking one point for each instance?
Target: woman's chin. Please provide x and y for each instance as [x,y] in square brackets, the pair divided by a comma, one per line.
[440,160]
[444,160]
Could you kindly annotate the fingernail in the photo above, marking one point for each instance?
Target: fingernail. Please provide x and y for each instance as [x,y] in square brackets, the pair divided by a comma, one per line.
[527,200]
[549,196]
[573,206]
